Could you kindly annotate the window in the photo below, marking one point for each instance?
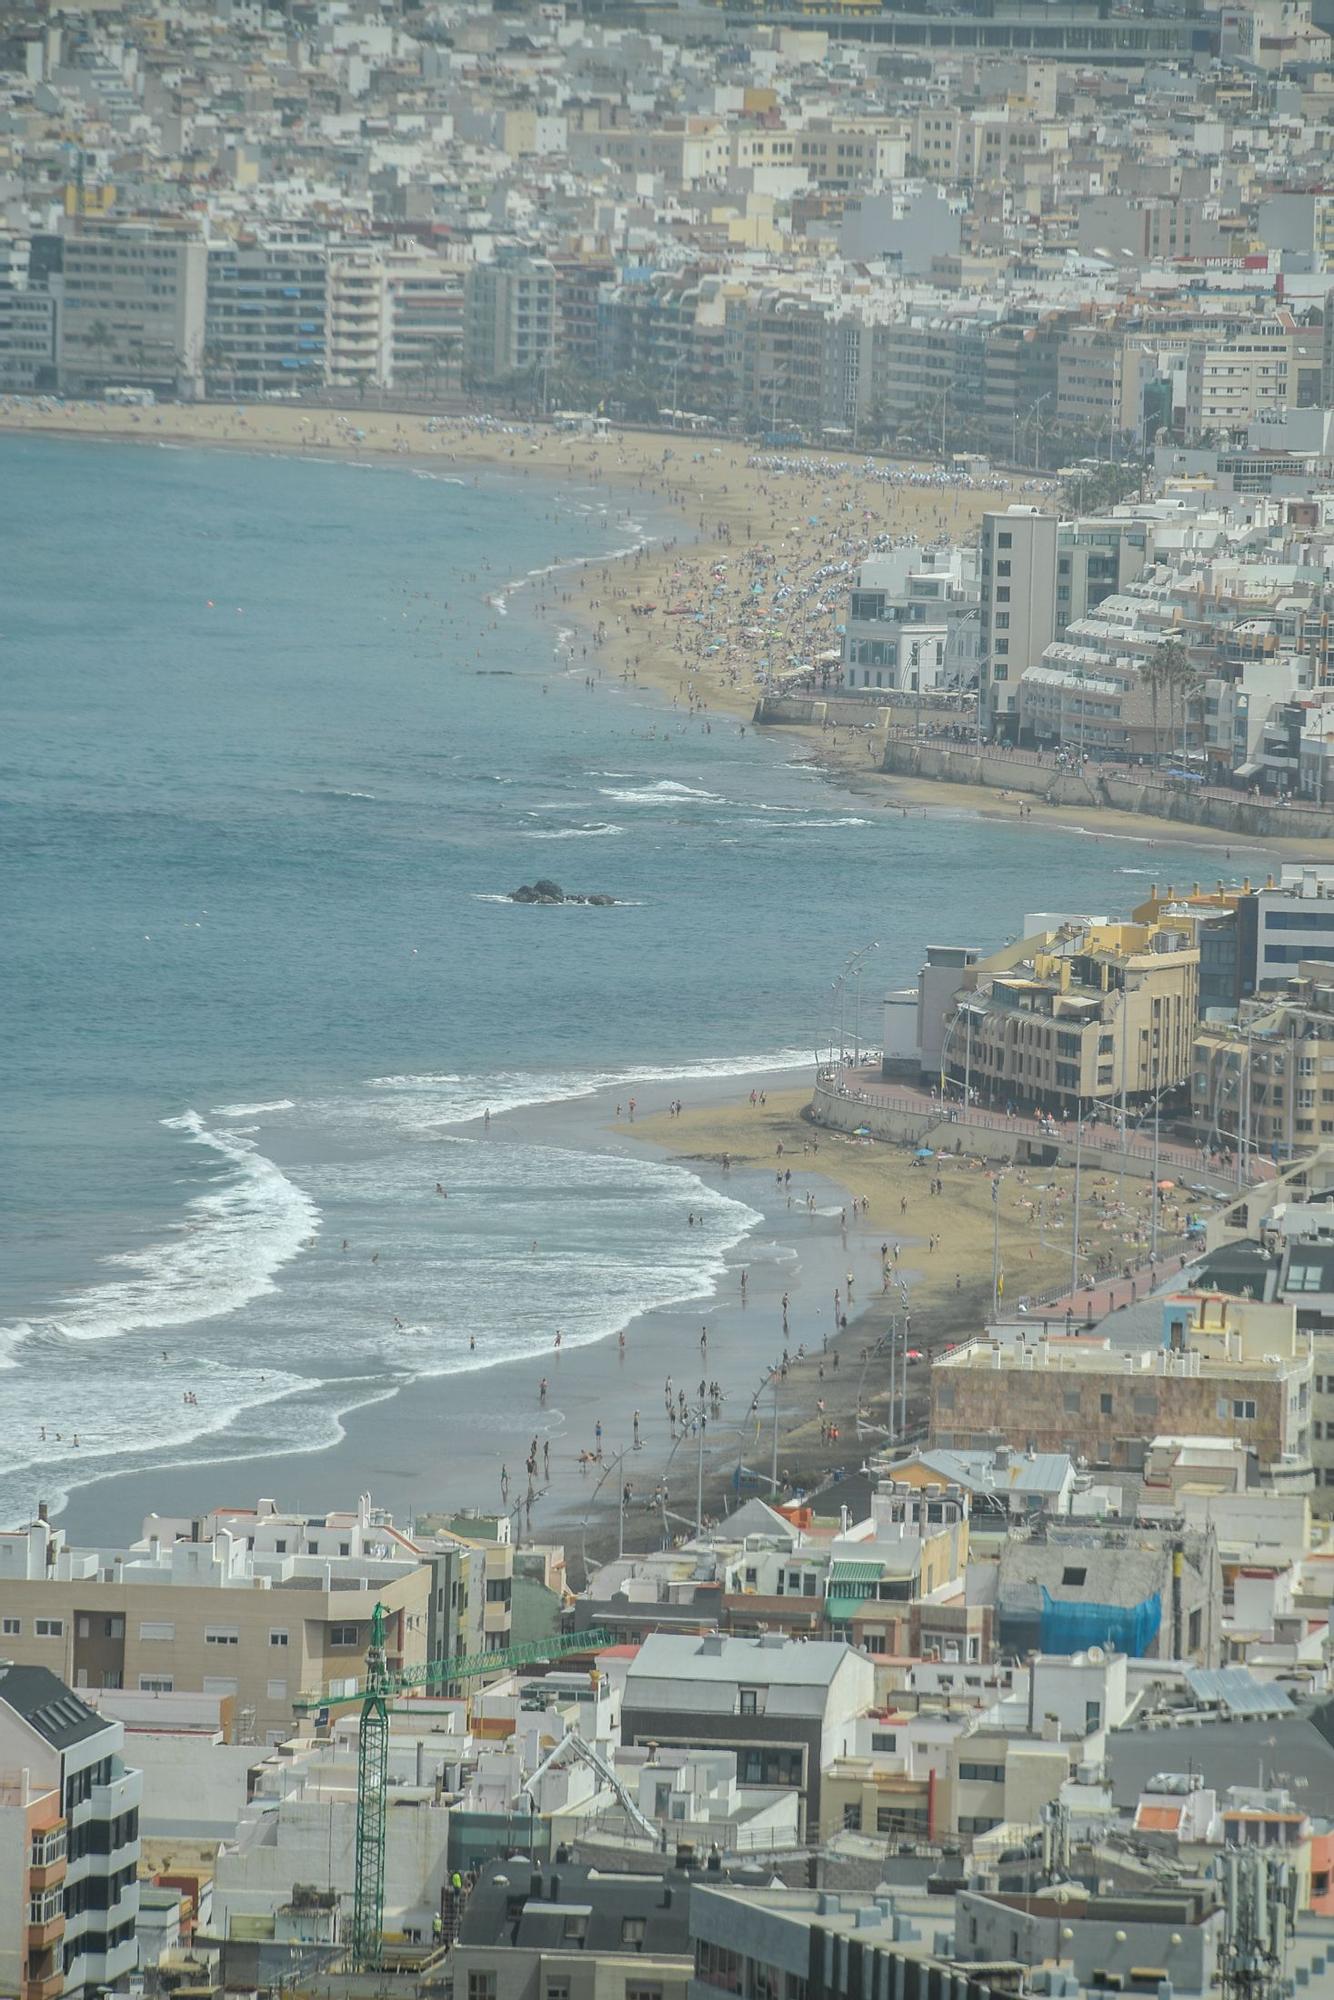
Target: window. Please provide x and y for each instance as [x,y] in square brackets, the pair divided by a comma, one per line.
[632,1931]
[277,1636]
[481,1986]
[155,1683]
[1243,1410]
[11,1627]
[1071,1402]
[222,1635]
[981,1774]
[1092,1715]
[220,1684]
[342,1635]
[1073,1578]
[883,1739]
[575,1928]
[852,1819]
[558,1986]
[49,1628]
[156,1629]
[1104,1405]
[638,1989]
[716,1966]
[277,1690]
[749,1701]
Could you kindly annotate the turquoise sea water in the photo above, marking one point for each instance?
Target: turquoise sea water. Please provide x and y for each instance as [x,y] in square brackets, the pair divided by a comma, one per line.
[271,753]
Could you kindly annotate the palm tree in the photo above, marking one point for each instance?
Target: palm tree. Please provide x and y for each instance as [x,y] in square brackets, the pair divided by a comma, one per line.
[1178,677]
[1154,677]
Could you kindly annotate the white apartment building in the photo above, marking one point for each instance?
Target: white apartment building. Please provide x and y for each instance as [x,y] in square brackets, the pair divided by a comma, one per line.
[424,320]
[74,1903]
[1232,381]
[358,352]
[510,318]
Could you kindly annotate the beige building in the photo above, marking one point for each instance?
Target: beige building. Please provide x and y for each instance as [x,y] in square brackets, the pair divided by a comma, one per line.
[1078,1017]
[131,310]
[1266,1086]
[1228,1368]
[260,1607]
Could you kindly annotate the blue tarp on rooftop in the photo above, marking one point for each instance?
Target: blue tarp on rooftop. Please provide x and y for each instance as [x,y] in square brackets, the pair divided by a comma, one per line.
[1122,1628]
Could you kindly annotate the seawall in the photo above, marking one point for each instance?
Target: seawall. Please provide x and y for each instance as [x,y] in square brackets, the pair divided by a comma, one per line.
[909,755]
[1090,785]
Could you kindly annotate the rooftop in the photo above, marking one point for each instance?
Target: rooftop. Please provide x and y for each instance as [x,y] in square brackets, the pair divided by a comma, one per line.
[46,1704]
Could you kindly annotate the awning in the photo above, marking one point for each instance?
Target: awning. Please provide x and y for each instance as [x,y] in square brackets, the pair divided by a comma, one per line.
[853,1572]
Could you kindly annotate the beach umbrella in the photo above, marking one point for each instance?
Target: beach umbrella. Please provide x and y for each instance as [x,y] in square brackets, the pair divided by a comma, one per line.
[861,1131]
[1163,1186]
[924,1153]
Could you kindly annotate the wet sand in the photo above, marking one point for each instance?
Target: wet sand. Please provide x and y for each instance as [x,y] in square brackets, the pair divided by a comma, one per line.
[441,1442]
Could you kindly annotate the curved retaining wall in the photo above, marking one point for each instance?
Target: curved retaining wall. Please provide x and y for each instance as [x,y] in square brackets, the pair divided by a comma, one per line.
[1092,787]
[990,1138]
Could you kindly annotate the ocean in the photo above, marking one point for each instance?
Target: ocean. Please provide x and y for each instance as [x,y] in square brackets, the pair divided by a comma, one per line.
[279,735]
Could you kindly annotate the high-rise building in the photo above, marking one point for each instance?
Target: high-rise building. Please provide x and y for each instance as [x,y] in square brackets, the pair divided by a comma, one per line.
[509,318]
[266,325]
[1018,585]
[132,310]
[69,1832]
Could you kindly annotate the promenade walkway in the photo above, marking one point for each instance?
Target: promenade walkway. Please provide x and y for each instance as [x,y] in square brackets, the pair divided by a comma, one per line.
[1214,1172]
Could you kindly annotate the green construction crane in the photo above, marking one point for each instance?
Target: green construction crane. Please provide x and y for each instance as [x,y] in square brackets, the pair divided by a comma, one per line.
[373,1695]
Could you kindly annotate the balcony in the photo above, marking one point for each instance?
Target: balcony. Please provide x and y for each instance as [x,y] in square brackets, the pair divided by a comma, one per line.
[49,1987]
[40,1937]
[45,1875]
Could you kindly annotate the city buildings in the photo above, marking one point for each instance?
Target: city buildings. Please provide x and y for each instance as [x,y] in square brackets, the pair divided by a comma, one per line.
[256,1606]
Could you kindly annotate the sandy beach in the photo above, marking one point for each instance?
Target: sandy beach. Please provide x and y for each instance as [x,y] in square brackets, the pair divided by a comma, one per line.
[444,1444]
[756,583]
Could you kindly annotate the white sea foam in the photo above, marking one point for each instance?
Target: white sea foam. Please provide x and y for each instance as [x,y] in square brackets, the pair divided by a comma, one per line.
[438,1100]
[235,1240]
[599,830]
[849,821]
[664,792]
[251,1110]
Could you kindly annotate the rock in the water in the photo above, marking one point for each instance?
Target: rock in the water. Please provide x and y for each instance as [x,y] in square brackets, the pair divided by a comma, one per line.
[547,891]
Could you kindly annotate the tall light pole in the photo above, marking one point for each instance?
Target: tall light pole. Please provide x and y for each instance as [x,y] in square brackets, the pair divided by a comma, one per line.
[996,1180]
[1074,1240]
[857,957]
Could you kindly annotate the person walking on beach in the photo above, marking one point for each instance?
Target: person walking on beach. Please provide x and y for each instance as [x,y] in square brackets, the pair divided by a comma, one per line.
[542,1390]
[635,1423]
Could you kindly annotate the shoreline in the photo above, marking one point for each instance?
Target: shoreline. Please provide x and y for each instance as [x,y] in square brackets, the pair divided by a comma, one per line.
[436,1443]
[456,1423]
[735,517]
